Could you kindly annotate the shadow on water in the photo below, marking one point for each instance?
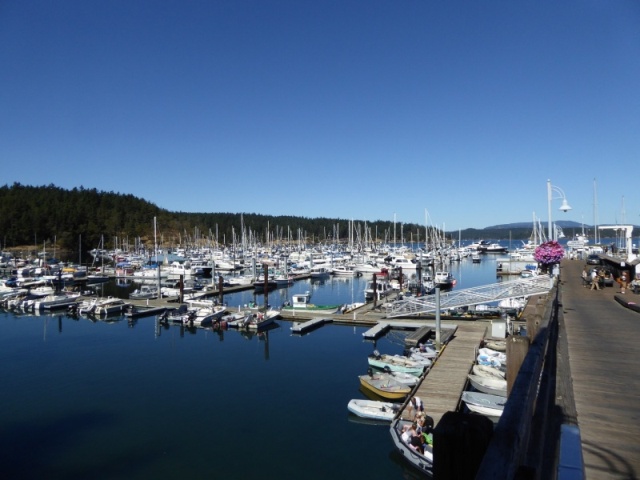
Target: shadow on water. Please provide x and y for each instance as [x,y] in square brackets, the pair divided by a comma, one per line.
[32,450]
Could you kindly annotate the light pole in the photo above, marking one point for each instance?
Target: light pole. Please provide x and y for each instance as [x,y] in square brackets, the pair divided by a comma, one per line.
[564,207]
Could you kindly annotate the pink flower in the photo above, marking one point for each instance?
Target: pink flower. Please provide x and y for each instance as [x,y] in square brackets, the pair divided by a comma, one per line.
[549,253]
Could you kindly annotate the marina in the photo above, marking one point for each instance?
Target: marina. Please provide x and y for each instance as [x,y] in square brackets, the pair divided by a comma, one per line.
[186,364]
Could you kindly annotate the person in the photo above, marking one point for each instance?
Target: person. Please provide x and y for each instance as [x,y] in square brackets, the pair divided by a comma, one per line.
[406,434]
[416,440]
[594,280]
[585,277]
[623,282]
[416,403]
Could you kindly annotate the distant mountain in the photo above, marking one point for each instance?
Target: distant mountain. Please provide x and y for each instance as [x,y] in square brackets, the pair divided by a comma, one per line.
[562,223]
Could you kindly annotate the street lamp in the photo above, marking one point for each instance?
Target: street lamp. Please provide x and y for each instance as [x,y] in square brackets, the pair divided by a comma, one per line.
[564,207]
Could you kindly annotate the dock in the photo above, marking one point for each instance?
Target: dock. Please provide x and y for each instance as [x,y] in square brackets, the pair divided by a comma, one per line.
[440,389]
[309,325]
[138,312]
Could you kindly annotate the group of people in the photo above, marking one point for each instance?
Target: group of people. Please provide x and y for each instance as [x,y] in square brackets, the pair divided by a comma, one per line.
[596,278]
[419,434]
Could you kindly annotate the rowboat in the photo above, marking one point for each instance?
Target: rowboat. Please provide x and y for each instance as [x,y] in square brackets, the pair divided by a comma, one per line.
[488,371]
[373,409]
[486,404]
[396,363]
[385,386]
[492,386]
[402,377]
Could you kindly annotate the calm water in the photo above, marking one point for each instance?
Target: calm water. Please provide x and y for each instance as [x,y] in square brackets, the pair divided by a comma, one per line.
[110,400]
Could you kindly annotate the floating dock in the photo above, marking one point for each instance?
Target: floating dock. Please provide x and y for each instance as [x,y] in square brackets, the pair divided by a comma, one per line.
[137,312]
[309,325]
[422,329]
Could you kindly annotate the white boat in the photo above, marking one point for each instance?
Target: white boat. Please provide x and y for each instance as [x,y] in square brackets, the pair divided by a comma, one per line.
[205,316]
[283,279]
[320,271]
[301,300]
[420,358]
[484,403]
[488,371]
[54,301]
[109,306]
[488,356]
[240,280]
[257,319]
[171,288]
[444,280]
[344,270]
[368,268]
[493,386]
[427,350]
[373,409]
[396,363]
[402,262]
[145,291]
[381,289]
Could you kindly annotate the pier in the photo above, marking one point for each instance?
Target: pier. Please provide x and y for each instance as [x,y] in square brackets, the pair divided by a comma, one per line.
[441,388]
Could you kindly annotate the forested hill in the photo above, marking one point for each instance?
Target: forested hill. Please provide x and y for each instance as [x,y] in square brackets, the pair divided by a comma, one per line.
[81,217]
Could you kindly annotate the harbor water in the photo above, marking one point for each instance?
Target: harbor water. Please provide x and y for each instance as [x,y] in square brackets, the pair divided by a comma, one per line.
[135,400]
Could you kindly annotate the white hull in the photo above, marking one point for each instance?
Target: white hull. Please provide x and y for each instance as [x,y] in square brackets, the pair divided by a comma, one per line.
[373,409]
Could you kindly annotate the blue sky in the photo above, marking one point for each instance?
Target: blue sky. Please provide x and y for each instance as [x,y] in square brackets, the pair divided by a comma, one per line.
[363,110]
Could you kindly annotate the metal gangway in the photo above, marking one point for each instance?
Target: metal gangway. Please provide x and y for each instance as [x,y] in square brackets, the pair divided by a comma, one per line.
[494,292]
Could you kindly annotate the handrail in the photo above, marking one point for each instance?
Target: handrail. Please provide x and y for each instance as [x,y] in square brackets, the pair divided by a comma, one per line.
[508,452]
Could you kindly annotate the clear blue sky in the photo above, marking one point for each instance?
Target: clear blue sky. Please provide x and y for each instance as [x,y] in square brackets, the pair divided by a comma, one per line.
[363,110]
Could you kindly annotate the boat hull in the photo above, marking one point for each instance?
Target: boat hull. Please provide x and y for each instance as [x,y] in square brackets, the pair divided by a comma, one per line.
[385,387]
[372,409]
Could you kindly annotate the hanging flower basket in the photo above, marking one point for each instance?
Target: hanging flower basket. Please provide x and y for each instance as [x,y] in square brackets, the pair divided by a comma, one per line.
[548,254]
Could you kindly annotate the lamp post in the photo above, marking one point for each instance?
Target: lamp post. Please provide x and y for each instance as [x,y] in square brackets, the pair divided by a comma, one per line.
[564,207]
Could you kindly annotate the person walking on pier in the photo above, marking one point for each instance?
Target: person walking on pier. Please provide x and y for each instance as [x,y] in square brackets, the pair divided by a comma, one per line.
[623,282]
[594,280]
[416,403]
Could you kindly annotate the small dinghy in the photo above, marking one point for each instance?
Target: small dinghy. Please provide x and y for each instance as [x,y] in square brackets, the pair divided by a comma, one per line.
[486,404]
[385,386]
[492,386]
[396,363]
[488,371]
[373,409]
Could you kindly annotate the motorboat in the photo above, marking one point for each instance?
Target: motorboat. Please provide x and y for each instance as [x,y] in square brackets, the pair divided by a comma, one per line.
[145,291]
[109,306]
[377,289]
[55,301]
[444,280]
[421,461]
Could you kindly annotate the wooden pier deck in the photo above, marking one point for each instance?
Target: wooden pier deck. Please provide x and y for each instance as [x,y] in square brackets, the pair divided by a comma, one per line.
[602,337]
[441,388]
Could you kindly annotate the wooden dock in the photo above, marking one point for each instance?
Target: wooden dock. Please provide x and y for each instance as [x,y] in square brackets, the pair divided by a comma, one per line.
[441,388]
[309,325]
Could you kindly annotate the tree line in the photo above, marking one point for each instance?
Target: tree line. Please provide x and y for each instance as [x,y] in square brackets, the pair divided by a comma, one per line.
[79,218]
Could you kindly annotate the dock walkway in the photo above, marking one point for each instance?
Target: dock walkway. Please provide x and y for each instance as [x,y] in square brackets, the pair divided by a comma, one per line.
[441,388]
[602,337]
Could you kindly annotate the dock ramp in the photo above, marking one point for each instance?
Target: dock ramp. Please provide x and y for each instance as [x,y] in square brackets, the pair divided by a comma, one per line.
[494,292]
